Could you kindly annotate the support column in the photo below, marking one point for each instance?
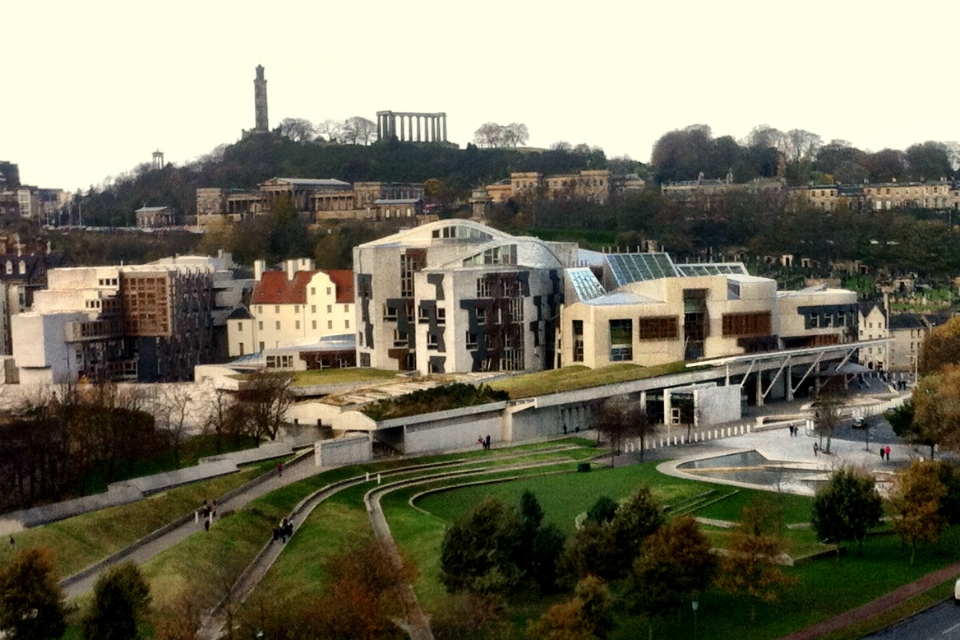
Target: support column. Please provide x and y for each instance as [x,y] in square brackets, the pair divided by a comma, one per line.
[759,389]
[434,120]
[789,381]
[443,138]
[379,127]
[418,128]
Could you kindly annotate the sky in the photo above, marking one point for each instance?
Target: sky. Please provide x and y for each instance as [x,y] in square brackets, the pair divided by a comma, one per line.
[92,88]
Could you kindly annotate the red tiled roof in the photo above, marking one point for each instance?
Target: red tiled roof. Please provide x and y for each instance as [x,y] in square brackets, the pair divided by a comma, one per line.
[343,279]
[275,288]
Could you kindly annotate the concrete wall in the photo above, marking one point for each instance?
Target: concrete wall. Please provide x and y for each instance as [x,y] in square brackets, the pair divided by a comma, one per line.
[349,449]
[717,405]
[453,433]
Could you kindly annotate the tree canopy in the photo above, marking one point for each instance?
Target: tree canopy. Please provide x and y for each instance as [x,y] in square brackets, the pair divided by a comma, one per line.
[846,507]
[31,602]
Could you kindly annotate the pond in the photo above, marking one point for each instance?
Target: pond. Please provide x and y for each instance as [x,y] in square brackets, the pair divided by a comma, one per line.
[751,467]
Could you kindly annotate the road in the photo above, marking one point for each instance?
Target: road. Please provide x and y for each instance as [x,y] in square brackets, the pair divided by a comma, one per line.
[941,622]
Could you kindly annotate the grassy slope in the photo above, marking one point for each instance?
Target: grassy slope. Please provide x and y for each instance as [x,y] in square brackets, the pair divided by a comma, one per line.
[82,540]
[578,377]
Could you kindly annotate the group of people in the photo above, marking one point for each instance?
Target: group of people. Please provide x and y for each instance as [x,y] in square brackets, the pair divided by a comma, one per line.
[885,453]
[794,431]
[484,443]
[208,512]
[283,530]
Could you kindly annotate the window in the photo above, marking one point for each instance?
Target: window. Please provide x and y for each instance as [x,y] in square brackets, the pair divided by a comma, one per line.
[328,291]
[389,313]
[313,308]
[314,325]
[276,308]
[364,359]
[659,328]
[260,325]
[441,315]
[241,348]
[259,309]
[329,308]
[432,341]
[329,324]
[313,291]
[346,324]
[481,314]
[746,324]
[297,325]
[296,308]
[346,308]
[278,325]
[400,338]
[578,340]
[239,326]
[621,340]
[261,346]
[471,340]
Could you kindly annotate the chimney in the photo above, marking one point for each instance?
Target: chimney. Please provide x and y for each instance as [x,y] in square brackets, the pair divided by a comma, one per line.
[259,266]
[291,266]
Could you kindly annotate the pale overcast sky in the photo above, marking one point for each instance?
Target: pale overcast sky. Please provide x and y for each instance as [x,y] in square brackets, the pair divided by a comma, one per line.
[93,87]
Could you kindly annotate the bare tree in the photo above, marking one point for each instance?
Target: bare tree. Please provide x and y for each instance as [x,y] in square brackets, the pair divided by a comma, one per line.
[171,414]
[297,129]
[490,134]
[515,134]
[332,130]
[266,395]
[359,130]
[619,421]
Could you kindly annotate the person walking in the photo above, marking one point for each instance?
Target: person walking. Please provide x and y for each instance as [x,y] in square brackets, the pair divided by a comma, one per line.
[488,442]
[816,449]
[280,469]
[887,451]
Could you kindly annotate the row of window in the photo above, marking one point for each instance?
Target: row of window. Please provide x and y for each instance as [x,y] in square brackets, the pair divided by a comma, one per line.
[277,325]
[296,308]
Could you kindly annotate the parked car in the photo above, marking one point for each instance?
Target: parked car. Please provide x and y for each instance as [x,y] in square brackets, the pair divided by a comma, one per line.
[859,422]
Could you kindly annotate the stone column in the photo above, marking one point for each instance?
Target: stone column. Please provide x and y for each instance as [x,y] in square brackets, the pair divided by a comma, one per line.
[379,127]
[443,137]
[433,125]
[418,128]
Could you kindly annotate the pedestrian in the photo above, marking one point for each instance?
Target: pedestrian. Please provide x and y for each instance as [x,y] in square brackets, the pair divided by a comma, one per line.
[206,523]
[280,469]
[564,429]
[289,531]
[283,530]
[276,533]
[13,543]
[887,451]
[488,441]
[816,449]
[480,442]
[881,453]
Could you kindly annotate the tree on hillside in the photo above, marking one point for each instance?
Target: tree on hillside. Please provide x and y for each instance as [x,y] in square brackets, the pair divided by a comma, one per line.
[479,549]
[676,564]
[539,544]
[915,503]
[359,130]
[588,615]
[637,517]
[753,551]
[121,598]
[929,161]
[330,129]
[515,134]
[936,409]
[846,507]
[489,135]
[31,601]
[266,396]
[616,424]
[940,347]
[297,129]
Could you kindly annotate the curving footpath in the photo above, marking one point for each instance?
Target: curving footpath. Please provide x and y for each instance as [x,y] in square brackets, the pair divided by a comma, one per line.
[214,620]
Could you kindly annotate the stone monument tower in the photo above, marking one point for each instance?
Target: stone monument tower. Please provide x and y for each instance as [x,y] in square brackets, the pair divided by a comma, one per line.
[260,101]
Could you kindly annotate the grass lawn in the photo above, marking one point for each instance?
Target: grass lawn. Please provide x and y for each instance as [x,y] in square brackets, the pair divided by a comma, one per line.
[826,587]
[578,377]
[82,540]
[340,376]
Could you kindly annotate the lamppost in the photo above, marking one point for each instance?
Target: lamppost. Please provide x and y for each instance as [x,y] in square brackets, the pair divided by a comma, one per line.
[695,605]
